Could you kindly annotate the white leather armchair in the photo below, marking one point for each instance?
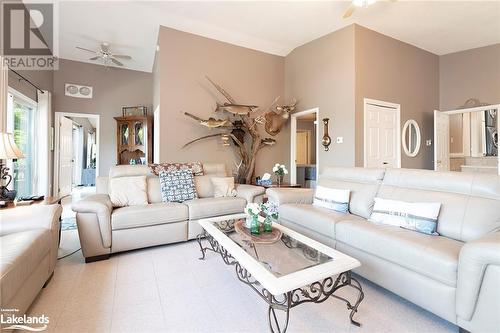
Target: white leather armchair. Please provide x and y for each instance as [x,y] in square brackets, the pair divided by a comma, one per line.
[29,240]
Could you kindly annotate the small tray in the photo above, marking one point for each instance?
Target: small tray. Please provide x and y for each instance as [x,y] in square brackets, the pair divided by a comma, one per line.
[263,238]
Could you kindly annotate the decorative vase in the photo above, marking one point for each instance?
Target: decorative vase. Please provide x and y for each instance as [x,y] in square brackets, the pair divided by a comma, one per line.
[268,224]
[279,179]
[248,223]
[254,229]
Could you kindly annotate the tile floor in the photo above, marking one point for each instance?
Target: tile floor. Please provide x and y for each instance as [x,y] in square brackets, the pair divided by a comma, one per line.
[167,289]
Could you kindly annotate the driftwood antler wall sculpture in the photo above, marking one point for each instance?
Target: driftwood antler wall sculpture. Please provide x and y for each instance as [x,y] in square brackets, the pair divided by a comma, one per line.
[242,129]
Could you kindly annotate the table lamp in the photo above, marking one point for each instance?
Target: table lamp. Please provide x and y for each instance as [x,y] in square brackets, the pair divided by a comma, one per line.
[8,151]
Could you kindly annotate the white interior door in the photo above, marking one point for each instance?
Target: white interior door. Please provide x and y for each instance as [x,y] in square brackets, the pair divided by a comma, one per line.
[381,136]
[65,156]
[303,148]
[441,141]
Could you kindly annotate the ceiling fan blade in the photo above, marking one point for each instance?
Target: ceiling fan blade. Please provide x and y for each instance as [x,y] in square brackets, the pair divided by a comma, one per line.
[94,58]
[116,62]
[349,11]
[84,49]
[122,56]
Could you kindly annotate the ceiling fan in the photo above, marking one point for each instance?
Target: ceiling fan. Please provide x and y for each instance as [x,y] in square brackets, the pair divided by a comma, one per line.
[359,4]
[105,54]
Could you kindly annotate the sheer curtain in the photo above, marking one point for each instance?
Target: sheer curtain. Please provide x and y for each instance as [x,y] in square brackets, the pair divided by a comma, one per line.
[44,166]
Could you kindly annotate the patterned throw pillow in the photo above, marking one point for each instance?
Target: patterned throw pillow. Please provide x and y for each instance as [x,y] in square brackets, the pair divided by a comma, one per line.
[417,216]
[332,198]
[195,167]
[177,186]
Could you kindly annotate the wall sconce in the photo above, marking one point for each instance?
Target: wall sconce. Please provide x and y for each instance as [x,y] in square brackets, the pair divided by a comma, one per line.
[326,141]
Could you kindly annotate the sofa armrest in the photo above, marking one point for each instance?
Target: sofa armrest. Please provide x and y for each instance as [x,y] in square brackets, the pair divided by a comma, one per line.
[475,257]
[282,196]
[249,192]
[101,206]
[30,217]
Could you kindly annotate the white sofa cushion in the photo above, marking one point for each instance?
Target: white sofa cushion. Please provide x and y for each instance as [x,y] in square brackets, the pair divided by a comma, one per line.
[433,256]
[317,219]
[128,191]
[331,198]
[223,187]
[208,207]
[20,255]
[152,214]
[418,216]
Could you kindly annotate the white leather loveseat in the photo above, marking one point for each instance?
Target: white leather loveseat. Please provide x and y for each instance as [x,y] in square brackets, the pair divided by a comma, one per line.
[455,275]
[29,239]
[104,230]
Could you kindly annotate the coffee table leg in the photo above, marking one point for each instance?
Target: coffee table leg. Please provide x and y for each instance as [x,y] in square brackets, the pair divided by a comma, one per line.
[356,285]
[348,280]
[275,324]
[203,249]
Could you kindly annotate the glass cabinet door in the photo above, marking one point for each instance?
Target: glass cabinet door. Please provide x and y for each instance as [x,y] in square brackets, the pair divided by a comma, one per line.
[139,133]
[124,134]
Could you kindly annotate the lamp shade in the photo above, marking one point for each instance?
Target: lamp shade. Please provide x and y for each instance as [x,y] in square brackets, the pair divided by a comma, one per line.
[8,148]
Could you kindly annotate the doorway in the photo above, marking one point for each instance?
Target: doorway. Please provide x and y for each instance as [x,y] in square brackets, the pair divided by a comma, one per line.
[304,148]
[76,152]
[466,140]
[382,133]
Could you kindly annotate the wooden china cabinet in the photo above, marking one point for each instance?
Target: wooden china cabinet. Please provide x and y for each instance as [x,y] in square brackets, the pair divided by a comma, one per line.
[134,140]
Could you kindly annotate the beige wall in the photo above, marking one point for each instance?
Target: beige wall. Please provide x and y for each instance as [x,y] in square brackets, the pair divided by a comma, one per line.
[321,74]
[469,74]
[392,71]
[250,76]
[113,88]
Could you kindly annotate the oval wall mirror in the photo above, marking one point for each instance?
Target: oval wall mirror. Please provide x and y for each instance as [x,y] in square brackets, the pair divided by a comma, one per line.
[411,138]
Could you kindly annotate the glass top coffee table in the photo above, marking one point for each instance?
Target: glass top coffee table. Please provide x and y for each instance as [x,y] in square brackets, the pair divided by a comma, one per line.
[290,271]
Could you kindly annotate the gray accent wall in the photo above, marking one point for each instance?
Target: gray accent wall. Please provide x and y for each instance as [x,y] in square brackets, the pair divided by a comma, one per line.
[321,74]
[469,74]
[112,89]
[249,76]
[393,71]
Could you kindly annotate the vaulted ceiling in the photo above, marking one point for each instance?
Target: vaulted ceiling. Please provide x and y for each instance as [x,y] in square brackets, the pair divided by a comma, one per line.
[131,27]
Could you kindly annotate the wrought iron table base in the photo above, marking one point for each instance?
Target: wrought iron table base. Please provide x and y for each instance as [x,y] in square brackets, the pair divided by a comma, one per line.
[316,292]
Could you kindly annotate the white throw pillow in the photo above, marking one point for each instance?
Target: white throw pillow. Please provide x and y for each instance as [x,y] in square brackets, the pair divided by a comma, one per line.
[128,191]
[223,187]
[417,216]
[332,198]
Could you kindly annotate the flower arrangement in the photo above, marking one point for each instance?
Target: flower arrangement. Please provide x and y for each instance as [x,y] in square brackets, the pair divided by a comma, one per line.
[280,170]
[261,214]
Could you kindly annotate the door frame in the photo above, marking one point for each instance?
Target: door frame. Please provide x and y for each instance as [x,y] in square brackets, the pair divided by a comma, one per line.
[389,105]
[475,109]
[57,117]
[293,141]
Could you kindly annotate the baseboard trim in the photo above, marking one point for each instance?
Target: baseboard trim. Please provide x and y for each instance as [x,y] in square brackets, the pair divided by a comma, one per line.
[96,258]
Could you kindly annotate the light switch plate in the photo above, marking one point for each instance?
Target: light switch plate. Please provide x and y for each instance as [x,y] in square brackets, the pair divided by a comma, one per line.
[340,139]
[428,143]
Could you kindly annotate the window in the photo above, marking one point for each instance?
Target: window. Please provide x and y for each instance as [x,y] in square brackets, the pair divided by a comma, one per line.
[21,113]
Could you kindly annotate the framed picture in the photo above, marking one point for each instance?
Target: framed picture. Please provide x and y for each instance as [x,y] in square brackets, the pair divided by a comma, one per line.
[134,111]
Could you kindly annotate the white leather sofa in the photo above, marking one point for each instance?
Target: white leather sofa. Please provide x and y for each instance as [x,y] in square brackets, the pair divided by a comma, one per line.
[29,239]
[455,275]
[104,230]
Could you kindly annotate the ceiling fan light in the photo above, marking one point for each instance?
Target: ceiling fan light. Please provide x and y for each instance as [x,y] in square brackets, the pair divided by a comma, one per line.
[358,3]
[363,3]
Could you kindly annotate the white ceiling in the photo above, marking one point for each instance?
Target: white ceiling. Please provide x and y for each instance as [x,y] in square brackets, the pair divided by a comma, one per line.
[131,27]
